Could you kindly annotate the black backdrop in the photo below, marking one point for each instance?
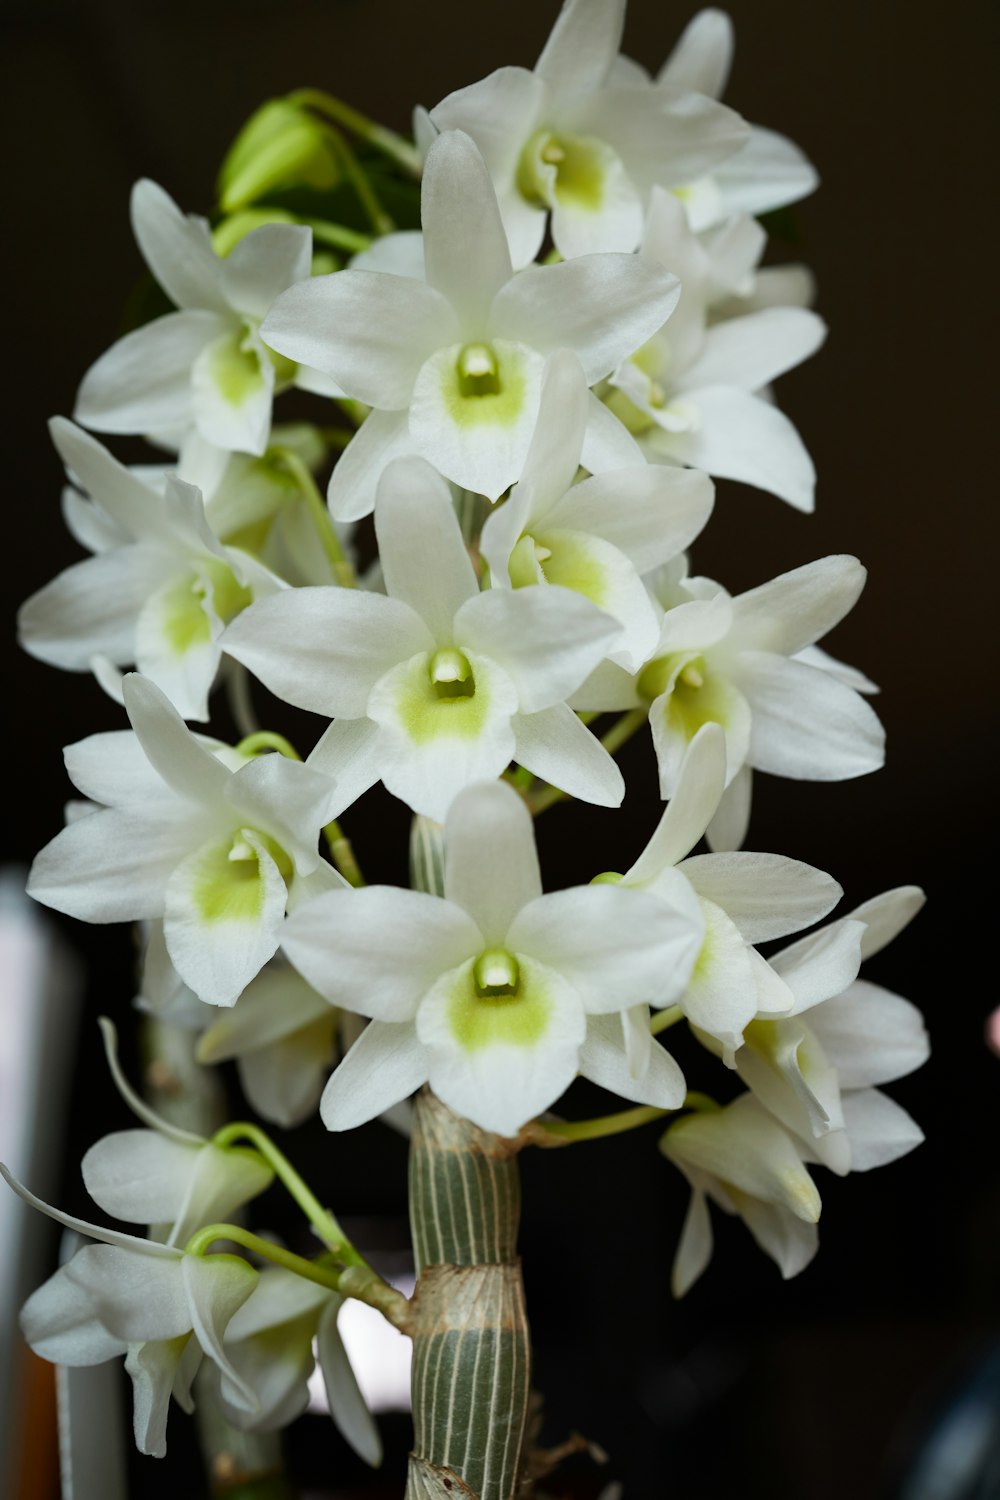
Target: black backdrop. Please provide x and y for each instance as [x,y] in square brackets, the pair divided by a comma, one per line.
[752,1387]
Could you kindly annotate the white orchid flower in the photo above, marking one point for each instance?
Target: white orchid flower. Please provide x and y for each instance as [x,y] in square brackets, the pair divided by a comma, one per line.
[161,1308]
[269,1342]
[217,852]
[578,139]
[742,1159]
[815,1069]
[597,537]
[434,685]
[745,898]
[486,992]
[453,365]
[697,391]
[749,664]
[159,591]
[205,367]
[163,1175]
[283,1036]
[767,171]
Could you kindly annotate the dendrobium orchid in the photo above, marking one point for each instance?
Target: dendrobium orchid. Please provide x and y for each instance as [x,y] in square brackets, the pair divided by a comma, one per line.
[585,136]
[745,898]
[161,1307]
[204,368]
[217,852]
[434,685]
[815,1068]
[486,992]
[159,591]
[744,663]
[163,1175]
[742,1159]
[269,1343]
[599,536]
[453,365]
[697,391]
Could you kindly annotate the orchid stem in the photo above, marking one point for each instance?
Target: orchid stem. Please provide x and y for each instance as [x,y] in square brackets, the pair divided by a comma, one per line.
[267,739]
[664,1019]
[602,1125]
[320,1218]
[342,853]
[337,236]
[381,222]
[340,566]
[384,140]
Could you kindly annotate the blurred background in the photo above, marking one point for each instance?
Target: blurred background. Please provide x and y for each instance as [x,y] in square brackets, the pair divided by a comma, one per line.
[870,1374]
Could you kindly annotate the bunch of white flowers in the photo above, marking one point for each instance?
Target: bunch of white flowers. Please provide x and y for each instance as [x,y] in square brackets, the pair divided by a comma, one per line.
[532,396]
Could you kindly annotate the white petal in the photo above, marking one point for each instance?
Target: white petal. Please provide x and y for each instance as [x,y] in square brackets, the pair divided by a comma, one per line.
[885,916]
[136,1296]
[603,1060]
[551,465]
[323,648]
[879,1130]
[499,1063]
[465,246]
[284,1081]
[116,490]
[143,383]
[694,1249]
[286,799]
[115,1237]
[607,443]
[701,60]
[401,253]
[378,950]
[871,1035]
[764,895]
[546,638]
[795,609]
[675,718]
[603,307]
[186,765]
[139,1175]
[223,917]
[371,331]
[582,45]
[345,752]
[424,559]
[346,1403]
[600,572]
[91,609]
[112,768]
[275,1005]
[607,217]
[751,351]
[741,436]
[651,512]
[216,1286]
[731,820]
[112,866]
[806,725]
[556,746]
[177,248]
[152,1368]
[383,435]
[766,173]
[58,1321]
[616,946]
[699,787]
[386,1064]
[263,264]
[747,1149]
[821,965]
[783,1236]
[232,385]
[721,998]
[491,864]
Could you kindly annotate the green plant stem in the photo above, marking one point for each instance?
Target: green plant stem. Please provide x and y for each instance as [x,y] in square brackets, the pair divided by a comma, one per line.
[602,1125]
[381,222]
[664,1019]
[320,1218]
[623,729]
[342,853]
[340,565]
[267,739]
[337,236]
[384,140]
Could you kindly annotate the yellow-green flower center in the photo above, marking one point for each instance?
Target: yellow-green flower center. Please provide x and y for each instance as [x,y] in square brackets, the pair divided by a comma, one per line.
[496,975]
[478,370]
[451,675]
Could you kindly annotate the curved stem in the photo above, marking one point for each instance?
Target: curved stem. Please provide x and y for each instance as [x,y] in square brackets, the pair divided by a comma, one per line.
[267,739]
[342,853]
[337,236]
[340,565]
[320,1218]
[602,1125]
[384,140]
[664,1019]
[381,222]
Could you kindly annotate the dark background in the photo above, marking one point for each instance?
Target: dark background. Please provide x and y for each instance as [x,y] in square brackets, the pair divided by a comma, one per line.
[821,1387]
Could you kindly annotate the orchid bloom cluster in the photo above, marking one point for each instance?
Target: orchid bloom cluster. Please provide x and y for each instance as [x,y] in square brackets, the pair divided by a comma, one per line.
[531,396]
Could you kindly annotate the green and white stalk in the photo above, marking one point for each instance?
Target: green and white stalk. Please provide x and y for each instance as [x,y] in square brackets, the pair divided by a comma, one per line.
[471,1344]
